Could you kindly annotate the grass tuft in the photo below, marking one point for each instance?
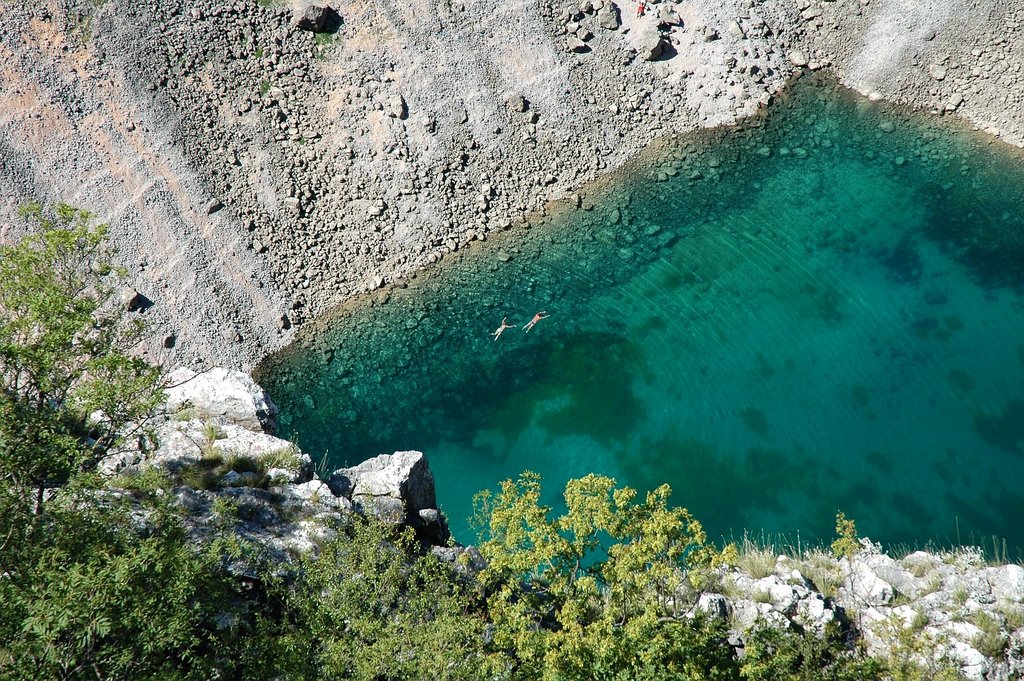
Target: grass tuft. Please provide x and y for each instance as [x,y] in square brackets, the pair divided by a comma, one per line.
[991,642]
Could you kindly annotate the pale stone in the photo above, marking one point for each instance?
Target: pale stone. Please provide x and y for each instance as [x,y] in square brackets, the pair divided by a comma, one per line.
[221,393]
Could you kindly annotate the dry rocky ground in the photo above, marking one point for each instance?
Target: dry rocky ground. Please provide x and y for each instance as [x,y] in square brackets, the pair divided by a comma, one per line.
[255,174]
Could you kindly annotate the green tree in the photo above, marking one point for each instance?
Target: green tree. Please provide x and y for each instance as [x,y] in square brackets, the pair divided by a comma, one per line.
[599,592]
[370,607]
[104,584]
[95,597]
[64,353]
[846,544]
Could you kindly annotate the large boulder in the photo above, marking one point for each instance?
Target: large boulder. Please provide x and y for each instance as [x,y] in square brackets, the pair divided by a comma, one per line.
[714,605]
[402,476]
[608,17]
[863,585]
[396,488]
[1007,582]
[648,42]
[895,574]
[223,394]
[668,15]
[317,18]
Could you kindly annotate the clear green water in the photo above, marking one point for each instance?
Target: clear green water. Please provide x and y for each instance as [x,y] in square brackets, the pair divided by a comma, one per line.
[818,310]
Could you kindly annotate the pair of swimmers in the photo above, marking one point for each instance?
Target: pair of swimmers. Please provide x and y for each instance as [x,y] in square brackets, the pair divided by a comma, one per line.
[529,325]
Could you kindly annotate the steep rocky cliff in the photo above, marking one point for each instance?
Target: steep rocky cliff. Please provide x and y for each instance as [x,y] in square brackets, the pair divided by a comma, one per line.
[255,173]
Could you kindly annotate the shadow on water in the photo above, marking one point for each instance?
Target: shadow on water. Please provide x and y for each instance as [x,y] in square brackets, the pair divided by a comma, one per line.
[817,309]
[582,385]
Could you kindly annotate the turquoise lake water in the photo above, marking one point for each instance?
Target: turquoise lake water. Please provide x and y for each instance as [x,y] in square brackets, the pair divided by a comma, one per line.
[820,309]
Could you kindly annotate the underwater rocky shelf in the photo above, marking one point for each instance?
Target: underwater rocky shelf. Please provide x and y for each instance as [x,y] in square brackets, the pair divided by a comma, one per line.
[818,309]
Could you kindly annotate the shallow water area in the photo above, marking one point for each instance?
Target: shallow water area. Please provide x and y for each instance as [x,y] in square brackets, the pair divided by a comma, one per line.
[817,310]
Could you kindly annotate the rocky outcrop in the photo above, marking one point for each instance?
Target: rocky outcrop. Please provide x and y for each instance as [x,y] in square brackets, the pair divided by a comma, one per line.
[223,394]
[215,442]
[957,611]
[397,488]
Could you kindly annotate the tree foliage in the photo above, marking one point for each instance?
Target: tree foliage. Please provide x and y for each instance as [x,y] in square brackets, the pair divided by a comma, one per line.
[93,597]
[370,607]
[774,654]
[846,544]
[596,592]
[64,351]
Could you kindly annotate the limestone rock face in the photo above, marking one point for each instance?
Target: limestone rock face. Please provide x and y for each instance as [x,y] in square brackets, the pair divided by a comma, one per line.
[214,443]
[183,443]
[715,605]
[219,393]
[402,476]
[1007,582]
[396,488]
[864,584]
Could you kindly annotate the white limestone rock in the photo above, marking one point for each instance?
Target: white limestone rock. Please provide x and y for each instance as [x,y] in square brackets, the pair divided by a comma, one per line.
[231,396]
[1007,582]
[716,605]
[863,584]
[402,476]
[181,444]
[647,41]
[798,58]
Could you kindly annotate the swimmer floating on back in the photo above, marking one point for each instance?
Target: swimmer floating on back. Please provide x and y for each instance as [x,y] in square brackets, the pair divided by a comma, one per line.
[501,329]
[543,314]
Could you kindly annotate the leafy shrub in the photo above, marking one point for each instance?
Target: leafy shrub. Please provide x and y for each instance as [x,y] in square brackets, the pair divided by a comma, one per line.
[599,590]
[773,654]
[64,353]
[370,608]
[89,596]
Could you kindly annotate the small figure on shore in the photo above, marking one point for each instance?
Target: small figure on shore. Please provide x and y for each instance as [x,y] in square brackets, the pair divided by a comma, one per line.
[501,329]
[641,8]
[543,314]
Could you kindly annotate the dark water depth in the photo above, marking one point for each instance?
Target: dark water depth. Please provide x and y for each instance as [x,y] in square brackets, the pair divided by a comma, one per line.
[818,310]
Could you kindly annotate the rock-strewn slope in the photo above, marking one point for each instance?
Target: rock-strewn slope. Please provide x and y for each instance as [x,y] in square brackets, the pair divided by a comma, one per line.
[255,174]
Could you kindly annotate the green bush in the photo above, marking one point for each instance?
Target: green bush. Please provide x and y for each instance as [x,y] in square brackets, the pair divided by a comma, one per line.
[65,354]
[90,596]
[371,608]
[786,655]
[599,590]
